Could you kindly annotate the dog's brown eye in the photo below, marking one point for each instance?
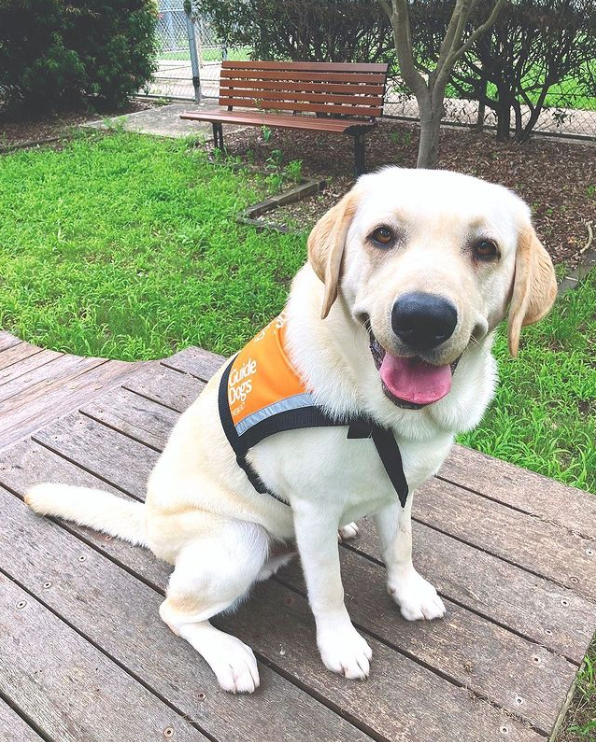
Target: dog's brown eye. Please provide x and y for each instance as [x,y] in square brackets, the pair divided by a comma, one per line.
[485,250]
[383,236]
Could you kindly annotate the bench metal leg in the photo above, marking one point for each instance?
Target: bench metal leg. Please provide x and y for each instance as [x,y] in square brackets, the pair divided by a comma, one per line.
[218,135]
[359,155]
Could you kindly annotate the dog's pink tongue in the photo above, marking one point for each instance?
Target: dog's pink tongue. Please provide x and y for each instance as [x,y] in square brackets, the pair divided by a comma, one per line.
[414,380]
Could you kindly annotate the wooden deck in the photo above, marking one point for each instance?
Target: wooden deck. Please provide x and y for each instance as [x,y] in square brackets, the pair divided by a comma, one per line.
[84,656]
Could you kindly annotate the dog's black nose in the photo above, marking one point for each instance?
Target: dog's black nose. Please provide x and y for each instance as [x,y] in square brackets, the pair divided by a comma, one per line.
[423,321]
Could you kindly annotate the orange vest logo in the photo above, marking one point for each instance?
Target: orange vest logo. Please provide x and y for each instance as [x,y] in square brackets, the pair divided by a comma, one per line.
[262,380]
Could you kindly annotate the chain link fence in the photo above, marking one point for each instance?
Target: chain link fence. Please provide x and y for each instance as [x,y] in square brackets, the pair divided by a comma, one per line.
[179,39]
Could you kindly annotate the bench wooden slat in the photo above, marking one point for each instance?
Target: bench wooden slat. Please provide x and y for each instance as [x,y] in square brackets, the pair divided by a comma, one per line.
[311,108]
[343,67]
[372,79]
[288,88]
[43,661]
[348,101]
[332,126]
[296,86]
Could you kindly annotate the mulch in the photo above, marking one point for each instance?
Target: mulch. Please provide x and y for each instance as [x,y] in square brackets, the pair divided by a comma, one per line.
[557,178]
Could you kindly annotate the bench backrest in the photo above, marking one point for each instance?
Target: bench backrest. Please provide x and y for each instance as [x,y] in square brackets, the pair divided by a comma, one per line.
[332,88]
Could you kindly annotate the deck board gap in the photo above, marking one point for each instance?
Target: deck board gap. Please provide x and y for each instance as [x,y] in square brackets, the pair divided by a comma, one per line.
[153,399]
[24,717]
[495,555]
[103,479]
[470,609]
[125,433]
[182,714]
[505,504]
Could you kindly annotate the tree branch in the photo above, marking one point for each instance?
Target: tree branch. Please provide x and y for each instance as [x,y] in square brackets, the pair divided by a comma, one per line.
[478,32]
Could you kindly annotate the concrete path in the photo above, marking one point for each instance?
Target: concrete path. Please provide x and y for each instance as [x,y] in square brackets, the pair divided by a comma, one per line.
[163,121]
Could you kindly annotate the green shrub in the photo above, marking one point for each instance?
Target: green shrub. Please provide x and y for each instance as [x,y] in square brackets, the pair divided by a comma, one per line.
[56,54]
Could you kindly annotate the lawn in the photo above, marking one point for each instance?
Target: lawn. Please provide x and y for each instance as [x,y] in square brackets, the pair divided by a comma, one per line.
[127,246]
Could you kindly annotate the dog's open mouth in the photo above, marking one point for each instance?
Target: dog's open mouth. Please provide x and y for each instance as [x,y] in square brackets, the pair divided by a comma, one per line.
[410,383]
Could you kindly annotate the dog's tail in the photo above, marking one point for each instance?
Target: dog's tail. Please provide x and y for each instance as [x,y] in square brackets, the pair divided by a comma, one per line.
[89,507]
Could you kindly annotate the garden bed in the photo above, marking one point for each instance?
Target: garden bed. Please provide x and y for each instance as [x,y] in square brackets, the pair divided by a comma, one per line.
[557,178]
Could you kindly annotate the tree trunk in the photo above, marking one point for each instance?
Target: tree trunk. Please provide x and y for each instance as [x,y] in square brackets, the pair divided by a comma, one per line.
[431,114]
[430,132]
[503,111]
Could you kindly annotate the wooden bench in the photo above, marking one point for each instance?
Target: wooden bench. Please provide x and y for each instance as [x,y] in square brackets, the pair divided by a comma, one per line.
[344,98]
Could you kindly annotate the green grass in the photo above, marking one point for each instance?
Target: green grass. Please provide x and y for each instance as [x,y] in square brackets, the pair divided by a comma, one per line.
[544,414]
[126,246]
[209,54]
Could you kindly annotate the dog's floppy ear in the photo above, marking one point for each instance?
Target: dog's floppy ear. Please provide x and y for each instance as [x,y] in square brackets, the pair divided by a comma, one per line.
[534,286]
[326,245]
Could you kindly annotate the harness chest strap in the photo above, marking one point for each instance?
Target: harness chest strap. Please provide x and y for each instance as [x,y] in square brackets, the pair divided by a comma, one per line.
[261,394]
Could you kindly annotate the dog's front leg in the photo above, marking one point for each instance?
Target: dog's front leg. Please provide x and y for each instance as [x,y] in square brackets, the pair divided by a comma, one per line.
[342,648]
[416,597]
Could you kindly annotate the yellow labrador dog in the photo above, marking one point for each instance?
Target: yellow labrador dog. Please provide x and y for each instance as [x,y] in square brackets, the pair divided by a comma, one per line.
[391,319]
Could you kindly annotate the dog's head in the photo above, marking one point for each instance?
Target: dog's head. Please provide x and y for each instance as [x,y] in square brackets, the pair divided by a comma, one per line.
[429,261]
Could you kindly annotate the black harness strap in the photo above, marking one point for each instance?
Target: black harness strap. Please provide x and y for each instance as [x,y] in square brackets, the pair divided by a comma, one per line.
[308,417]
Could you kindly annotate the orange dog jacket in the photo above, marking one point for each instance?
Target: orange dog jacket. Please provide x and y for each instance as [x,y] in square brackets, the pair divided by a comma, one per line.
[261,393]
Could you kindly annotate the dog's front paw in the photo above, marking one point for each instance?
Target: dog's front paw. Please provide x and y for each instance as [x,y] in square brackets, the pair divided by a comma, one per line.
[416,597]
[347,532]
[344,651]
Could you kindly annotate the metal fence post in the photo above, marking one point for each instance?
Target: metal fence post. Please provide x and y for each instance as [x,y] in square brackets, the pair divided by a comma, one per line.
[194,57]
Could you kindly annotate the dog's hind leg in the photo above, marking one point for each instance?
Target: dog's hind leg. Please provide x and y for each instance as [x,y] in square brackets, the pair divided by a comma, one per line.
[212,575]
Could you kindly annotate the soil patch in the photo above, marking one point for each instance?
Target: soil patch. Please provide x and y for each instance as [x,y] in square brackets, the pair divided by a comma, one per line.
[556,178]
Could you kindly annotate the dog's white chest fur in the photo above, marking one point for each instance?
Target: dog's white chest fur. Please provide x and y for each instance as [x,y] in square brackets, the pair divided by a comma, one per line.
[344,475]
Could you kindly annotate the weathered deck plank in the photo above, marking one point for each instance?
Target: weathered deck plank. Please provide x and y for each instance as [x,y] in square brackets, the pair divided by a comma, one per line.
[464,653]
[166,386]
[88,590]
[521,489]
[195,361]
[67,574]
[511,596]
[40,675]
[539,547]
[520,612]
[7,340]
[15,354]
